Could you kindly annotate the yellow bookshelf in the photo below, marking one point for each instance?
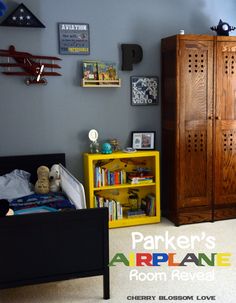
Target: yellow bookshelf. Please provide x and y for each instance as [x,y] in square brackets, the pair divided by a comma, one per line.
[125,162]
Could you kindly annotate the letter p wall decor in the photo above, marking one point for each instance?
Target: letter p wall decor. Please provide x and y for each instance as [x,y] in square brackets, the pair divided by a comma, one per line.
[131,54]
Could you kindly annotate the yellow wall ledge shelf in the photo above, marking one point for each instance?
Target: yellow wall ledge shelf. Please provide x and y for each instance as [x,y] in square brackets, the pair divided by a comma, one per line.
[101,83]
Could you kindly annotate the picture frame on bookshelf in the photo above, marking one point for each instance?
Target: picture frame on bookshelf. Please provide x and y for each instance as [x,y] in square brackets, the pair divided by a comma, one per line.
[144,90]
[143,140]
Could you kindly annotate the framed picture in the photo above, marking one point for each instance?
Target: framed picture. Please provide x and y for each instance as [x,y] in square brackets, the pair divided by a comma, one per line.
[144,90]
[143,140]
[74,38]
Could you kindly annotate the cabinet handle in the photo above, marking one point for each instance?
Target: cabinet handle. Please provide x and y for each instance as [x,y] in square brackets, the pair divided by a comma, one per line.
[209,118]
[217,118]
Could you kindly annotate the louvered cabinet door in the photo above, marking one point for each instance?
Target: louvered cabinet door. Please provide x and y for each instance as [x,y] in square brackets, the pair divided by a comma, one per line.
[195,93]
[225,123]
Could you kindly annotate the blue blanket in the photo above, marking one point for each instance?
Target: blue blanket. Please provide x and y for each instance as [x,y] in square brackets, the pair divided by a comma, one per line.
[56,201]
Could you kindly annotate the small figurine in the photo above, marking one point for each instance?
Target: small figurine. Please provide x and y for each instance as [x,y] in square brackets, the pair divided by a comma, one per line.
[94,145]
[133,199]
[106,148]
[42,184]
[54,178]
[223,28]
[114,145]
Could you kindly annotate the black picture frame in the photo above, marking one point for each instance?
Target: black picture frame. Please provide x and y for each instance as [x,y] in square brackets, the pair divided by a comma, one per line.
[143,140]
[144,90]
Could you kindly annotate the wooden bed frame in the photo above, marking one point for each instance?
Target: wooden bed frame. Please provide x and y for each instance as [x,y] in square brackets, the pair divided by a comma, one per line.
[48,247]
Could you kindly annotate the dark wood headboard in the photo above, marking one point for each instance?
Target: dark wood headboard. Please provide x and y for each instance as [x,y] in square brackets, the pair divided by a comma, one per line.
[30,163]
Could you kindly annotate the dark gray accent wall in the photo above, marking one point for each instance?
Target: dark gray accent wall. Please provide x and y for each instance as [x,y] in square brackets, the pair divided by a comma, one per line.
[57,117]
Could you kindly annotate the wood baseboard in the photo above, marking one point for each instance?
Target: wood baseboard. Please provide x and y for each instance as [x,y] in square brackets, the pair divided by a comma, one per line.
[195,217]
[225,213]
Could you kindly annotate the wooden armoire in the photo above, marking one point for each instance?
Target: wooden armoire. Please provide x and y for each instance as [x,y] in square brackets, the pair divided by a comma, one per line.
[198,128]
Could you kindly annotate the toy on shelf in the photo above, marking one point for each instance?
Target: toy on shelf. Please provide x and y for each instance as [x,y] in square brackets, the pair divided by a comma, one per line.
[54,178]
[106,148]
[42,184]
[129,150]
[94,145]
[133,199]
[115,145]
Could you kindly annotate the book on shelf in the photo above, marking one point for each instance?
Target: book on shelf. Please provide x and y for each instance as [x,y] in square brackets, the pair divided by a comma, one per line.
[148,205]
[115,209]
[105,177]
[99,70]
[135,213]
[137,178]
[90,70]
[107,71]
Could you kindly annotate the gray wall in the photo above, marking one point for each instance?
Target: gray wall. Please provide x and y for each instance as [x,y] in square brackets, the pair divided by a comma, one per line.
[57,117]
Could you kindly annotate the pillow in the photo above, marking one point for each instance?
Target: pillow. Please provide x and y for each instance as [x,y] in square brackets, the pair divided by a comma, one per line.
[15,185]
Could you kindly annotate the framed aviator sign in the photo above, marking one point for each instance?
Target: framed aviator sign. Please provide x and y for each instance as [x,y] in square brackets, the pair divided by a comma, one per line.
[74,39]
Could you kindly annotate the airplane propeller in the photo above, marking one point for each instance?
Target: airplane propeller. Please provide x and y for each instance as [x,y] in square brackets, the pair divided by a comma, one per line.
[40,72]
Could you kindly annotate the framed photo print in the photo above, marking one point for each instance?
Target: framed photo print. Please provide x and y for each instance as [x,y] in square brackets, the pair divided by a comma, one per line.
[144,90]
[143,140]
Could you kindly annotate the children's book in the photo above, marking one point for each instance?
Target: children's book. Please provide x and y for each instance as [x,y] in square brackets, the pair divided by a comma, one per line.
[90,71]
[107,71]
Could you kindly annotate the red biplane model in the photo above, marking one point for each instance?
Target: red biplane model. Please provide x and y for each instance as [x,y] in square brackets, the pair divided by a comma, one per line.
[33,66]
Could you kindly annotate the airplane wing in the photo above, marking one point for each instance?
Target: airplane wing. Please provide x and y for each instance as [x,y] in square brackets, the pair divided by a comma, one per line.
[7,53]
[11,65]
[49,65]
[17,73]
[4,50]
[44,57]
[50,74]
[28,74]
[22,65]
